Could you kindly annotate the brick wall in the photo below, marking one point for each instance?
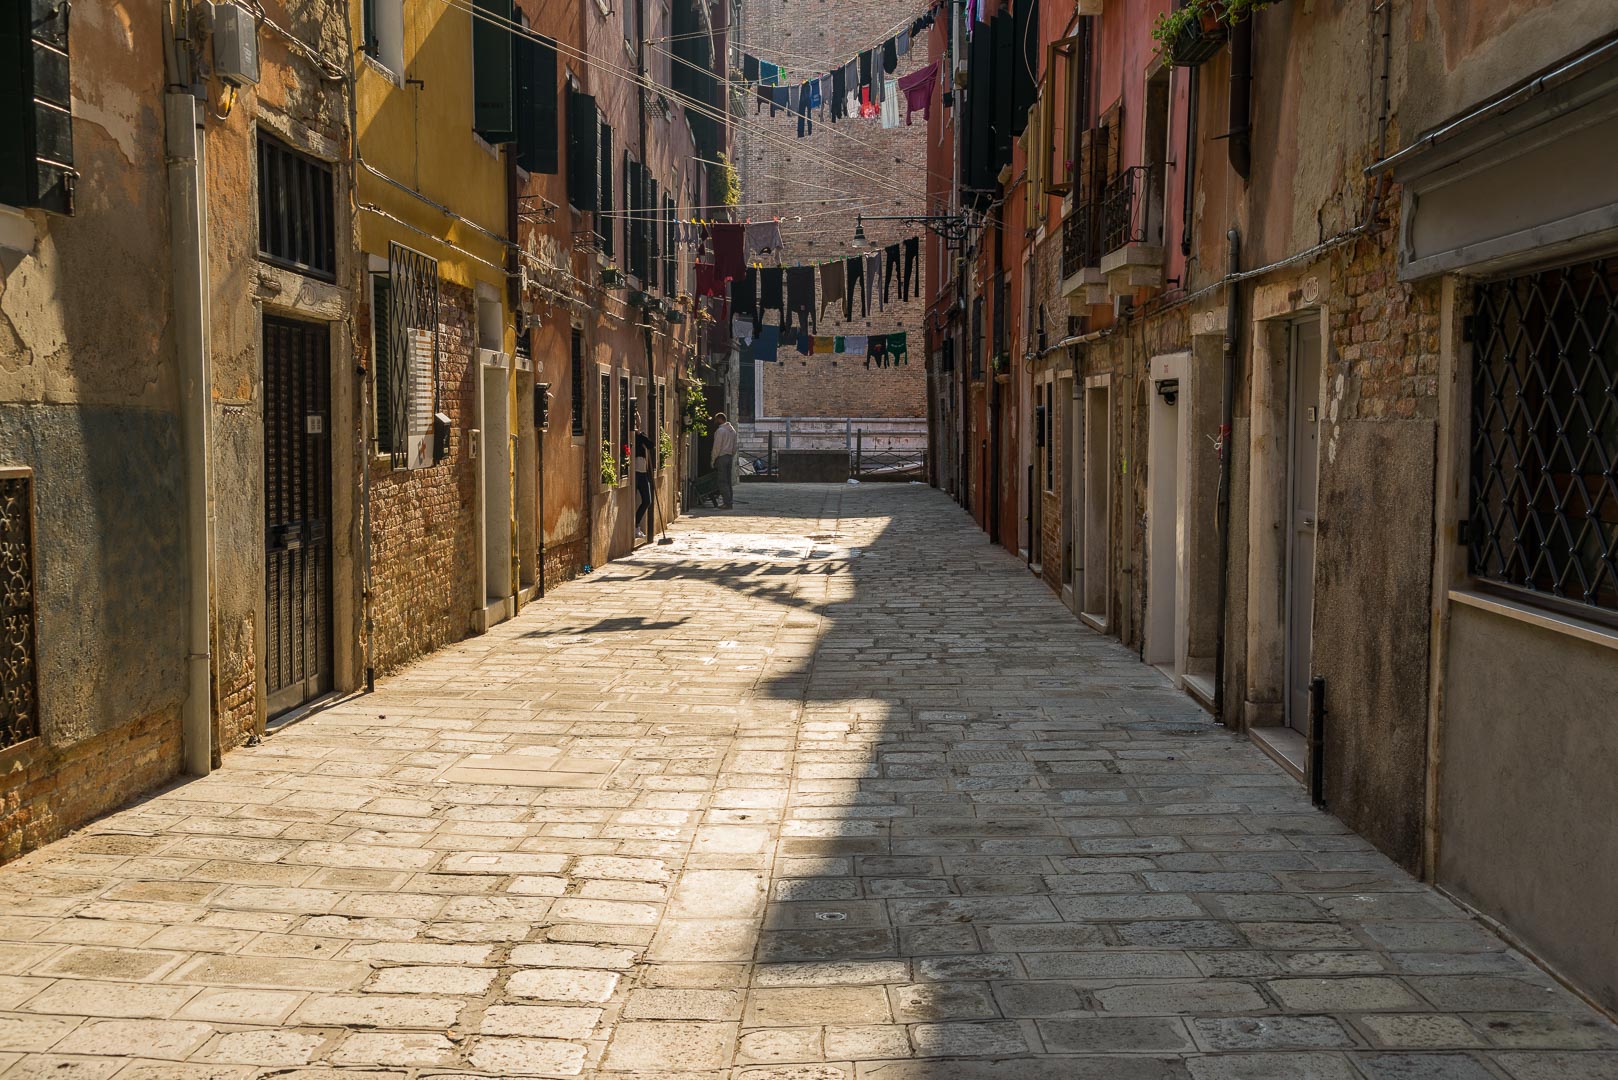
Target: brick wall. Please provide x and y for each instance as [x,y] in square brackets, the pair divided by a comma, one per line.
[814,185]
[424,535]
[45,790]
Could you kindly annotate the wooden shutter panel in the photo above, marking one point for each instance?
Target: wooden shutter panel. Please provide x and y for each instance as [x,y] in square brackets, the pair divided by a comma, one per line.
[583,152]
[536,72]
[36,120]
[654,215]
[1058,97]
[1111,122]
[604,202]
[492,112]
[381,367]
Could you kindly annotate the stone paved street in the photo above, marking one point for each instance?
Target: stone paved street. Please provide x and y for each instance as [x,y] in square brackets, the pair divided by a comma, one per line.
[830,789]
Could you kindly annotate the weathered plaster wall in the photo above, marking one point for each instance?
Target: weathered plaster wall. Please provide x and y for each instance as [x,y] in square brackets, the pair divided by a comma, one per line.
[88,400]
[1526,787]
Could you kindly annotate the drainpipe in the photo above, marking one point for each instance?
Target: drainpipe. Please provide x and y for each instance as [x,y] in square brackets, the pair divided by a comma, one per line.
[1190,164]
[1239,140]
[1227,406]
[188,217]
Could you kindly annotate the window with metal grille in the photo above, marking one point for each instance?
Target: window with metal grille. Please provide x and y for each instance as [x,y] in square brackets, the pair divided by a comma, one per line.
[606,420]
[624,436]
[295,210]
[1543,515]
[19,680]
[409,368]
[578,381]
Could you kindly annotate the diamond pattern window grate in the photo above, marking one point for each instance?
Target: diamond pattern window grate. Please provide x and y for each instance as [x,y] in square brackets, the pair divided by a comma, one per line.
[1543,515]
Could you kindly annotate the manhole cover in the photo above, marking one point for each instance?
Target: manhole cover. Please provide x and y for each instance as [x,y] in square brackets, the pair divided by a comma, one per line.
[831,916]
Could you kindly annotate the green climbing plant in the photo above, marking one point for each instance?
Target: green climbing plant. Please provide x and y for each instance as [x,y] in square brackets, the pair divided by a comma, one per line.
[609,465]
[1201,15]
[726,182]
[665,447]
[695,409]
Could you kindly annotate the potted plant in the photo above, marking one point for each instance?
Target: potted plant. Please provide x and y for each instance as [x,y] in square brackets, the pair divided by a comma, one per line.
[613,278]
[665,448]
[609,465]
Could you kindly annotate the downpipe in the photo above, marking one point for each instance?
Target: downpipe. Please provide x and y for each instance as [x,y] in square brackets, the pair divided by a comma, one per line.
[186,135]
[1317,741]
[1227,412]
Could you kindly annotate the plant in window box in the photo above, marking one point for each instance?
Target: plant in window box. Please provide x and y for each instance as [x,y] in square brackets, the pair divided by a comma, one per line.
[609,465]
[613,278]
[999,362]
[665,448]
[675,316]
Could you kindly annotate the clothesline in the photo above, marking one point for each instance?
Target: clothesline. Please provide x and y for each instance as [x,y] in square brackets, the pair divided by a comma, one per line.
[756,71]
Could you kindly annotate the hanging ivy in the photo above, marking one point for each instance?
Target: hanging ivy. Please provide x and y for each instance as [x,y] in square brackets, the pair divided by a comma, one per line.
[726,184]
[695,410]
[1197,19]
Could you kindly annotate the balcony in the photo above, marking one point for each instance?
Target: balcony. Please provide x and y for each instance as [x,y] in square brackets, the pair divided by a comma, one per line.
[1131,230]
[1082,281]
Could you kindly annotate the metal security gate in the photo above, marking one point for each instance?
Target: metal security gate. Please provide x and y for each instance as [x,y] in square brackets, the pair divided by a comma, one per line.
[297,512]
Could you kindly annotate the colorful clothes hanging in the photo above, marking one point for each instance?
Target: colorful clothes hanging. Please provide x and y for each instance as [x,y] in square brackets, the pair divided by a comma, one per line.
[918,87]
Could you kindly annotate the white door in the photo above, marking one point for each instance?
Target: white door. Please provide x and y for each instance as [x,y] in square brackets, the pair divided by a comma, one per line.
[496,479]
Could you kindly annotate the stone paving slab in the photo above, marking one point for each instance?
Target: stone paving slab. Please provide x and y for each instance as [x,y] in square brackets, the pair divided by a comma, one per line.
[829,789]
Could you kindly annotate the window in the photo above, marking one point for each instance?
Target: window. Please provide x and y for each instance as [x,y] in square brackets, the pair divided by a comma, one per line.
[36,117]
[535,72]
[578,381]
[19,686]
[662,419]
[606,421]
[1048,438]
[493,111]
[624,435]
[747,391]
[382,409]
[634,232]
[1543,507]
[977,337]
[631,18]
[384,33]
[583,150]
[295,209]
[405,372]
[671,254]
[604,229]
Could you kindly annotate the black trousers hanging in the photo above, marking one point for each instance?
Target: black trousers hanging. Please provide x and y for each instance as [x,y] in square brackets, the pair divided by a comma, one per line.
[856,276]
[908,286]
[890,261]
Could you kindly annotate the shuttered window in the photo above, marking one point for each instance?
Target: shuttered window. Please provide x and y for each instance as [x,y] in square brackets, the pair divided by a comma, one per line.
[36,118]
[604,200]
[578,381]
[493,116]
[671,257]
[606,419]
[634,232]
[382,408]
[295,209]
[536,74]
[583,153]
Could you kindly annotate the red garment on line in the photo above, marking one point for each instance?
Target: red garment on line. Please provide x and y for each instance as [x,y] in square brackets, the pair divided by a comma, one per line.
[729,258]
[918,87]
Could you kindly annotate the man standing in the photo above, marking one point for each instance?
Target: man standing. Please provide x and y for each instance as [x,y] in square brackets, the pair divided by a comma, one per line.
[724,456]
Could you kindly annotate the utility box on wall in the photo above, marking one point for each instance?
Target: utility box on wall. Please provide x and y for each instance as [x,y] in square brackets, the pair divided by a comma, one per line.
[235,45]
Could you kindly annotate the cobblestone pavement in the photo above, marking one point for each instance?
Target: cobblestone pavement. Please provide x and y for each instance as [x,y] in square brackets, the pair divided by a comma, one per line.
[830,789]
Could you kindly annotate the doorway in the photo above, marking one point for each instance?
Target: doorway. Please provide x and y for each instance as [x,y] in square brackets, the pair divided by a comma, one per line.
[1167,614]
[1303,485]
[1096,605]
[497,478]
[297,512]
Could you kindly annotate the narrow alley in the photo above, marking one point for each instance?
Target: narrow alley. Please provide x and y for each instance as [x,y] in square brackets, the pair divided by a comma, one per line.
[828,788]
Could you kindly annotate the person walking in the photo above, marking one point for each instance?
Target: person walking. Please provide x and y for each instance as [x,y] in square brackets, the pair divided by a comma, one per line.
[643,482]
[724,457]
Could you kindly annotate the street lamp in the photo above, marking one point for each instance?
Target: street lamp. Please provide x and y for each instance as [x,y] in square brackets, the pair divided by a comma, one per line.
[953,229]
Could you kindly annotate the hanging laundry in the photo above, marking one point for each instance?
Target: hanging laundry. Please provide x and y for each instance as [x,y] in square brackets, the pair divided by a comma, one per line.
[780,99]
[876,349]
[806,344]
[801,297]
[709,282]
[823,346]
[873,275]
[728,259]
[744,294]
[839,95]
[890,103]
[851,88]
[807,93]
[904,43]
[855,280]
[827,95]
[838,343]
[909,285]
[763,238]
[832,276]
[918,87]
[854,345]
[741,328]
[769,74]
[865,69]
[767,343]
[898,348]
[890,55]
[750,70]
[868,108]
[770,292]
[890,260]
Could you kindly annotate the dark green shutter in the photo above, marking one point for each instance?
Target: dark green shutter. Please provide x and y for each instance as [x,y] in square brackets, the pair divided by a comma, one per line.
[381,368]
[583,153]
[370,44]
[604,202]
[536,104]
[654,223]
[36,119]
[491,71]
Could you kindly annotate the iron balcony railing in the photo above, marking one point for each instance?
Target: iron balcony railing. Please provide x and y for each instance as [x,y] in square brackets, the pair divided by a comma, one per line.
[1124,209]
[1079,240]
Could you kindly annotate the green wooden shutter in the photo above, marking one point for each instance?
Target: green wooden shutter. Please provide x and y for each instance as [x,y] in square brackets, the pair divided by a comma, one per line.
[381,369]
[536,104]
[583,151]
[604,201]
[36,119]
[492,113]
